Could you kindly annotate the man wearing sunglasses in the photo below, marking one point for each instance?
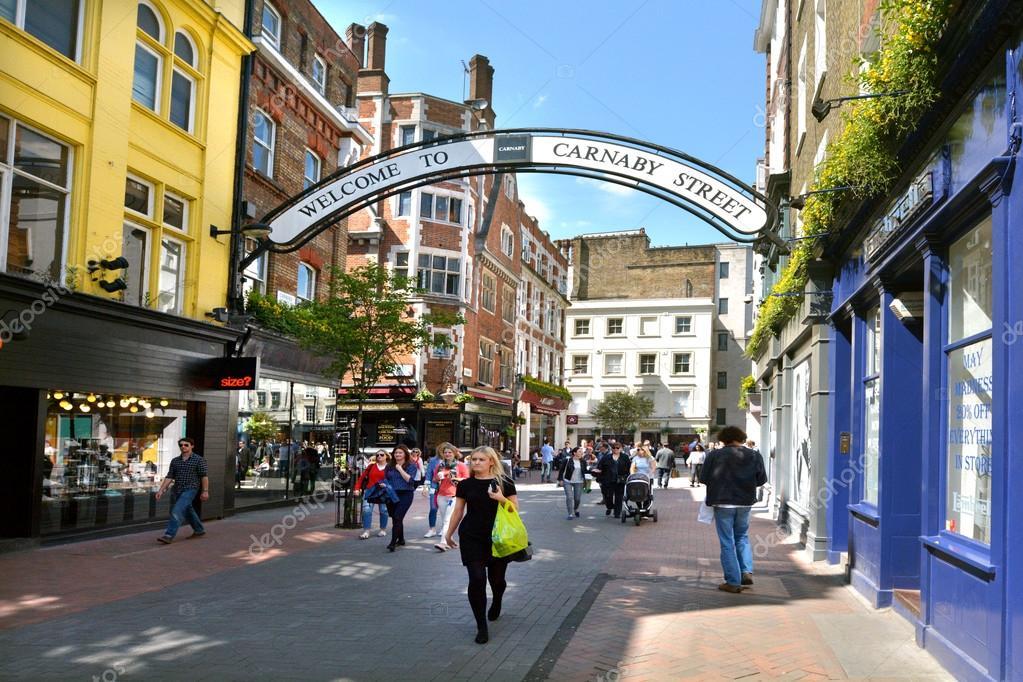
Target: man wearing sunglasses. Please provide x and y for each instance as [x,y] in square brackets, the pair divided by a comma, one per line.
[188,476]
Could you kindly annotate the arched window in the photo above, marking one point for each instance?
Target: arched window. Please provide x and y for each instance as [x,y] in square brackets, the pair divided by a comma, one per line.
[184,49]
[146,84]
[182,84]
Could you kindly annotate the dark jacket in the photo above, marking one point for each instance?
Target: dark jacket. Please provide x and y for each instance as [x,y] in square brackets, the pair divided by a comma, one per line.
[612,474]
[732,475]
[398,483]
[566,471]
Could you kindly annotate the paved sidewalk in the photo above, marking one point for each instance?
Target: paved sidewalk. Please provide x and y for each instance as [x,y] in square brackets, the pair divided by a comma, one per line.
[601,600]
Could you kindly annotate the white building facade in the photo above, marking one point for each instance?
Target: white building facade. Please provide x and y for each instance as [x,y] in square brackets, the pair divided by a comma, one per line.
[734,278]
[659,348]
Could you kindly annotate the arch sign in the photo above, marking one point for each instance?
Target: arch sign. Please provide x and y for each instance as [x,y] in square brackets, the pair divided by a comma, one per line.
[721,200]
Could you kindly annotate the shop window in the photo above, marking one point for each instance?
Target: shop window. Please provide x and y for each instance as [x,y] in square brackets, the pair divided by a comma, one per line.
[647,364]
[263,136]
[683,324]
[34,184]
[311,173]
[682,363]
[969,465]
[440,274]
[270,25]
[615,326]
[872,403]
[105,456]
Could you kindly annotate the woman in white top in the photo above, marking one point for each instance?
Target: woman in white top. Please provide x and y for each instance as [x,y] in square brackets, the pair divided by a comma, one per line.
[571,477]
[696,460]
[643,462]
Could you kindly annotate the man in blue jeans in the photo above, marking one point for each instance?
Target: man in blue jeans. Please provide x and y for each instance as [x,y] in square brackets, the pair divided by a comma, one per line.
[547,461]
[187,473]
[732,474]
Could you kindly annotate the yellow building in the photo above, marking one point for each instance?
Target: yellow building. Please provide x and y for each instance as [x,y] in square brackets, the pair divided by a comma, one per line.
[118,129]
[118,134]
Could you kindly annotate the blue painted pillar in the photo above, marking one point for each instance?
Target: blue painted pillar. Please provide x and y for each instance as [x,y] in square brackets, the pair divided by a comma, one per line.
[899,491]
[839,474]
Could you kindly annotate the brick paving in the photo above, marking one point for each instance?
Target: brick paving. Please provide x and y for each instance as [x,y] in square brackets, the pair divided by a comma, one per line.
[600,601]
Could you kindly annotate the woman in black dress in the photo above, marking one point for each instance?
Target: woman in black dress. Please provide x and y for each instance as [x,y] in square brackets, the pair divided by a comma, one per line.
[477,498]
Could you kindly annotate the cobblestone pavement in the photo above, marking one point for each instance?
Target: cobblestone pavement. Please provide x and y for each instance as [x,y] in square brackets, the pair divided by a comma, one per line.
[600,600]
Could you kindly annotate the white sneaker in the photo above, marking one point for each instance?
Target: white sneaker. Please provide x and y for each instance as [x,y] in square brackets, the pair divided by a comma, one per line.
[364,535]
[382,534]
[430,533]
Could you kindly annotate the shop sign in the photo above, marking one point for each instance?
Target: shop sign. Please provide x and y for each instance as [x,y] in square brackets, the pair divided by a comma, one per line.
[230,374]
[552,405]
[442,407]
[572,419]
[374,407]
[917,197]
[485,409]
[649,425]
[387,433]
[844,442]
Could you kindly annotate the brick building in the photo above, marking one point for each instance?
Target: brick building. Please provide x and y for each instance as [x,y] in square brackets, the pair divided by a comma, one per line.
[301,127]
[461,240]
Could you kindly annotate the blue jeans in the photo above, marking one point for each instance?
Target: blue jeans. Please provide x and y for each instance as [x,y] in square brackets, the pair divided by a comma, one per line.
[663,476]
[367,515]
[545,472]
[182,511]
[733,533]
[432,494]
[573,496]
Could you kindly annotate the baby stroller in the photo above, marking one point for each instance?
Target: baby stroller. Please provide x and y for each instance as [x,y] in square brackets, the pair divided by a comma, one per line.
[638,498]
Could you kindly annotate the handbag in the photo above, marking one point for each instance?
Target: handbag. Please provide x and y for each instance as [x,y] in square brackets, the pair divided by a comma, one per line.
[509,534]
[706,514]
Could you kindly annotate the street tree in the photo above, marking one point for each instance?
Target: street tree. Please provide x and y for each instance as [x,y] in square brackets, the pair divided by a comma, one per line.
[620,411]
[260,427]
[365,327]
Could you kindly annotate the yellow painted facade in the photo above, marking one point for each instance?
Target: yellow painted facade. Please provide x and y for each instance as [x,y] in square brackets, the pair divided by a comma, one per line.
[85,101]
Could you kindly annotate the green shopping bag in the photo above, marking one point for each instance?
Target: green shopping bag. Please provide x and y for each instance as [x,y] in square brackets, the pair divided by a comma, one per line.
[509,534]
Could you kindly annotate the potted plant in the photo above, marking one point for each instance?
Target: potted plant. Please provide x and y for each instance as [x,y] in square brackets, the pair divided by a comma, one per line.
[462,398]
[423,396]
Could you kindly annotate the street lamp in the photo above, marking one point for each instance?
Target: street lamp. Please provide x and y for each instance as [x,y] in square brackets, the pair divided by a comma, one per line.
[822,107]
[448,396]
[254,230]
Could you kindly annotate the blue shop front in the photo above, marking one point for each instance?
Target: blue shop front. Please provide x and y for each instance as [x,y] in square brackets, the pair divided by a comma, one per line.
[927,387]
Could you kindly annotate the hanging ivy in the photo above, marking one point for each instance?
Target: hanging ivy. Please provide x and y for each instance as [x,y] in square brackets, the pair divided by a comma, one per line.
[864,154]
[746,386]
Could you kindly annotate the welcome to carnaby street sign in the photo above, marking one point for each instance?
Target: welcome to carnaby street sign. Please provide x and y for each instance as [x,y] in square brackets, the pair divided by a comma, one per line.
[729,205]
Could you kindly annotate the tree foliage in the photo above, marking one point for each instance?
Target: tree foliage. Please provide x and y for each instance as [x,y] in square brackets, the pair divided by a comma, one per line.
[260,427]
[620,411]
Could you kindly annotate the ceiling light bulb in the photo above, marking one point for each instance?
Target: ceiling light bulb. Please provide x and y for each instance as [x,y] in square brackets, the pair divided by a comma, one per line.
[48,396]
[58,395]
[110,403]
[133,400]
[133,409]
[91,397]
[66,405]
[150,414]
[164,402]
[124,402]
[84,407]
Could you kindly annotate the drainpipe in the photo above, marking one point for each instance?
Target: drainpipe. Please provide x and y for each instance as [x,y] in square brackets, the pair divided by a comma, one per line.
[235,300]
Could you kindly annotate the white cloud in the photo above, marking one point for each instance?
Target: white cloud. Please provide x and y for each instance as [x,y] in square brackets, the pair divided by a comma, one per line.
[538,102]
[608,187]
[535,206]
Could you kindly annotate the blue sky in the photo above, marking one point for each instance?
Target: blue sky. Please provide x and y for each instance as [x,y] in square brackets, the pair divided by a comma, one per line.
[681,73]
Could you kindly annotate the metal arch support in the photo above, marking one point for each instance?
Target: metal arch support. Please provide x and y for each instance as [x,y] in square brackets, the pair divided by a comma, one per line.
[737,211]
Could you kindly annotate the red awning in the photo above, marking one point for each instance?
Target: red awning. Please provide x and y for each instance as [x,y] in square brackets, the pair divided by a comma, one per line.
[385,391]
[545,404]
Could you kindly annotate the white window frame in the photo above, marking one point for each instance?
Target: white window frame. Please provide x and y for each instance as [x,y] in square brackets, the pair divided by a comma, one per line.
[621,370]
[492,289]
[486,362]
[19,21]
[310,414]
[270,148]
[397,203]
[309,153]
[432,215]
[311,279]
[586,370]
[321,84]
[639,364]
[146,264]
[442,353]
[677,401]
[401,134]
[177,71]
[690,325]
[150,209]
[820,46]
[674,364]
[508,306]
[156,13]
[575,328]
[446,272]
[507,241]
[185,212]
[328,413]
[801,101]
[620,332]
[158,87]
[179,294]
[273,38]
[255,272]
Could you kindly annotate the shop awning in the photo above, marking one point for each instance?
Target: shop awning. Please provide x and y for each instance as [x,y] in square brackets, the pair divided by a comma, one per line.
[544,404]
[385,391]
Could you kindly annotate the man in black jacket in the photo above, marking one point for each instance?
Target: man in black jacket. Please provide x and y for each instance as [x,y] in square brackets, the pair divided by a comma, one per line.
[732,474]
[612,470]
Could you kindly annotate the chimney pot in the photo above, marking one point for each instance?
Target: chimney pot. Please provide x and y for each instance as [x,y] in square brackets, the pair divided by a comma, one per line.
[355,36]
[481,83]
[377,46]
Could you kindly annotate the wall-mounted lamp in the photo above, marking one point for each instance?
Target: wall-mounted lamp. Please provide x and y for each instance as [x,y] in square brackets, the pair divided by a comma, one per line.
[822,107]
[798,202]
[254,230]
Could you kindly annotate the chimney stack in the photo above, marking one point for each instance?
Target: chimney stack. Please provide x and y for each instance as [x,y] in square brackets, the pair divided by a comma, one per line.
[355,36]
[377,46]
[481,84]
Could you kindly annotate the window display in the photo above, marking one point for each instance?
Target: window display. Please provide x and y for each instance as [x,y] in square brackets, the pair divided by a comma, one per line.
[104,457]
